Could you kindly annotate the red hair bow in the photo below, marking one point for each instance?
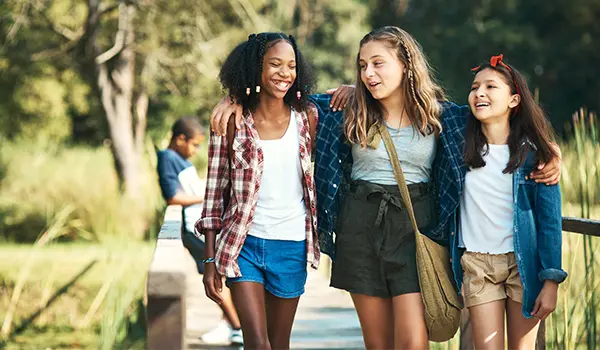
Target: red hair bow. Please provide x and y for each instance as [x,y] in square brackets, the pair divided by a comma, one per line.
[494,61]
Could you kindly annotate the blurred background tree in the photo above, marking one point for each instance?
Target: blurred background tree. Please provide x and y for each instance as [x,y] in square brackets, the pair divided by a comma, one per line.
[117,73]
[549,41]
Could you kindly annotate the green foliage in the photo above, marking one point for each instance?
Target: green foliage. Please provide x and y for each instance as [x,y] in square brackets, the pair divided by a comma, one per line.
[41,179]
[549,41]
[120,318]
[581,169]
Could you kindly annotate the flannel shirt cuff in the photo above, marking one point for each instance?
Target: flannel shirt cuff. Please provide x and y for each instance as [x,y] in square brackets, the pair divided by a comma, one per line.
[208,224]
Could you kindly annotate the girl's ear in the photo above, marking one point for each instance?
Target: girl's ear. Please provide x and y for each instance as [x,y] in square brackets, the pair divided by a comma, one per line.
[514,101]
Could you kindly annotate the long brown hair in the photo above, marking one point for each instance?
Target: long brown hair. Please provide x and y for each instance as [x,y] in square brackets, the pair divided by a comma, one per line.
[421,93]
[529,128]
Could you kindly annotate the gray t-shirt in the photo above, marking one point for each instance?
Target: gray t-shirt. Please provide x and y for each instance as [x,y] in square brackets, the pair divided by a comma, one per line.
[415,151]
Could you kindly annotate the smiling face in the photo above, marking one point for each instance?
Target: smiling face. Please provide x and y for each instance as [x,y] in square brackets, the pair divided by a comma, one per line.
[279,70]
[491,98]
[380,70]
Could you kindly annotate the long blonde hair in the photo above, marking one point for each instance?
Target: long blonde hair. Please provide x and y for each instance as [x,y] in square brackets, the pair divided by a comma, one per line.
[422,95]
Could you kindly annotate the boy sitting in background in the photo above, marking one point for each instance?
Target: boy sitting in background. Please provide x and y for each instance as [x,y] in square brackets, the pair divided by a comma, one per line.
[181,185]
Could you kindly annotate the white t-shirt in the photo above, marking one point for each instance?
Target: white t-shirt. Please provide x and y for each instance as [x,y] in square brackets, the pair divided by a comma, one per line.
[280,211]
[486,207]
[177,174]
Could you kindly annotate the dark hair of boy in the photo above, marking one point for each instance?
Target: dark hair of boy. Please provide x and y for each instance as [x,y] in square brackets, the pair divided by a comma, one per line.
[242,69]
[187,126]
[527,122]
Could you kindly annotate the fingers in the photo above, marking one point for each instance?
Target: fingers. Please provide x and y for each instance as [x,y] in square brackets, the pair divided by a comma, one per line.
[215,118]
[217,115]
[238,117]
[333,104]
[343,100]
[548,176]
[536,308]
[212,286]
[543,313]
[223,123]
[553,180]
[219,284]
[330,91]
[340,97]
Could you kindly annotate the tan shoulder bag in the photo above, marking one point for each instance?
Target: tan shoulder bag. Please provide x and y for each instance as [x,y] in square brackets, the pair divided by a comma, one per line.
[438,291]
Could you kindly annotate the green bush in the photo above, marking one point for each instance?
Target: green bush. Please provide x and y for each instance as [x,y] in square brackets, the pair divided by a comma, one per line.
[39,180]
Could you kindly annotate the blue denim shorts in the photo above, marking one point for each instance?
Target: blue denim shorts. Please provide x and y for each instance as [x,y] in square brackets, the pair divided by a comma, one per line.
[278,265]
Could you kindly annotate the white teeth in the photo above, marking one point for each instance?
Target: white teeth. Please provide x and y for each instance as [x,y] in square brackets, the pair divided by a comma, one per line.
[282,84]
[482,104]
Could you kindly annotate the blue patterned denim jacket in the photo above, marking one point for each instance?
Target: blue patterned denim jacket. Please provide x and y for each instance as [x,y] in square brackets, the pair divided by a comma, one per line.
[537,228]
[333,164]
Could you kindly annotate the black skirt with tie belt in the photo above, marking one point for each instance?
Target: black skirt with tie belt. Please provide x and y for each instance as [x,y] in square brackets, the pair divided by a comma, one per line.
[375,240]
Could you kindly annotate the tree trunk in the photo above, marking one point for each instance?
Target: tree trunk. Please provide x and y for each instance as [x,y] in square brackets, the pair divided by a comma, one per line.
[114,79]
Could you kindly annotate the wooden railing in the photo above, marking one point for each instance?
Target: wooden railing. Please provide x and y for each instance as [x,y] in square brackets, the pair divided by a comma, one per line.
[166,289]
[574,225]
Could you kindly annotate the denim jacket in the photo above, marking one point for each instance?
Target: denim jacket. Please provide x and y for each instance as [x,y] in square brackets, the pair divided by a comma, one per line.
[537,229]
[333,163]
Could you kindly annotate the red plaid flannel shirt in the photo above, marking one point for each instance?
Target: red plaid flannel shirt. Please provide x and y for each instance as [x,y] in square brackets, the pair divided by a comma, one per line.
[232,192]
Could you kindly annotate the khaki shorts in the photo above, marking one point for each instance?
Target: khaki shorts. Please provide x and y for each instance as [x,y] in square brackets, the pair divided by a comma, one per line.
[490,277]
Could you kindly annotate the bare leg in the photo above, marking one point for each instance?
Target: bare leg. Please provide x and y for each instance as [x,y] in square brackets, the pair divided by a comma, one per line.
[280,318]
[228,308]
[522,332]
[487,321]
[249,297]
[376,320]
[410,331]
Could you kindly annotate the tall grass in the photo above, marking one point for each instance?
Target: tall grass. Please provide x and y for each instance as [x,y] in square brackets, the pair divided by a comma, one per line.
[39,180]
[575,323]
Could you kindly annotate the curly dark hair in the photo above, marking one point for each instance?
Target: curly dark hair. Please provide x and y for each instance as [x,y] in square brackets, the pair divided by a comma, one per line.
[243,68]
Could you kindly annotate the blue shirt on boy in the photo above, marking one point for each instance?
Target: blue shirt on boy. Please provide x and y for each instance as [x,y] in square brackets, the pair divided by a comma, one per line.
[177,174]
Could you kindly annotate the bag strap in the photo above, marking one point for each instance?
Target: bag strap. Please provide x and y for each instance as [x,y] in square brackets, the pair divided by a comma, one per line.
[391,150]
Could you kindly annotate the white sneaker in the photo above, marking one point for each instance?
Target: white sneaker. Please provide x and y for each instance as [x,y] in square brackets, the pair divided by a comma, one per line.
[218,335]
[236,337]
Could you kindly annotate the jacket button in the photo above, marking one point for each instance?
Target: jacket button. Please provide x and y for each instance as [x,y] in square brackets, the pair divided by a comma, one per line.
[450,260]
[526,177]
[452,233]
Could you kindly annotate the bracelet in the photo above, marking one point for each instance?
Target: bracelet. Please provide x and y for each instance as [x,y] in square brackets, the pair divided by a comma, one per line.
[208,261]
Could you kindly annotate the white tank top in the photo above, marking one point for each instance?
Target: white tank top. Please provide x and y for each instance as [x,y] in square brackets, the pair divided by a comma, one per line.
[486,206]
[280,211]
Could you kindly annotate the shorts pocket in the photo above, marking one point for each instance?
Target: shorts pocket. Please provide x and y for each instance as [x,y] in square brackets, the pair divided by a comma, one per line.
[473,275]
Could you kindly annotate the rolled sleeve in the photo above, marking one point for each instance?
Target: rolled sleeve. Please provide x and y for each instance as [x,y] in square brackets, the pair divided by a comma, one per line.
[549,232]
[556,275]
[218,184]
